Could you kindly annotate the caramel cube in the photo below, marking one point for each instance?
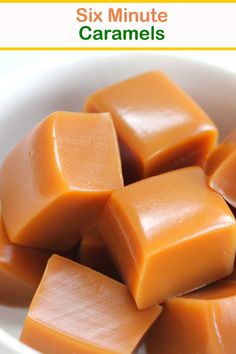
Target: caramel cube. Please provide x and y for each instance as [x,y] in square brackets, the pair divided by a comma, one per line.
[56,181]
[160,128]
[21,269]
[77,310]
[221,169]
[168,235]
[199,323]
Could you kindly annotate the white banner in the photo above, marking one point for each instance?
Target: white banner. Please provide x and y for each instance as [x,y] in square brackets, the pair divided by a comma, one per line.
[117,25]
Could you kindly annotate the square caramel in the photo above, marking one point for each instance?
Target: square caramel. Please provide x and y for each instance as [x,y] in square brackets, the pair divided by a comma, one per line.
[159,126]
[56,181]
[21,269]
[168,235]
[78,310]
[221,169]
[201,322]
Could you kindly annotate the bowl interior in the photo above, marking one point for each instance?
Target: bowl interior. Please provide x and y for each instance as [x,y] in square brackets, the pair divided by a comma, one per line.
[33,94]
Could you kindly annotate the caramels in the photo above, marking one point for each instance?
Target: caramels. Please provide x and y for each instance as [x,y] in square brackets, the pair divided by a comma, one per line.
[203,322]
[77,310]
[221,169]
[54,184]
[169,234]
[232,276]
[21,269]
[159,126]
[93,254]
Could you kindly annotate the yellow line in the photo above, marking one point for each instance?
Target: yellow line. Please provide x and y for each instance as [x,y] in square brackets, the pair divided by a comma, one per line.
[117,48]
[117,1]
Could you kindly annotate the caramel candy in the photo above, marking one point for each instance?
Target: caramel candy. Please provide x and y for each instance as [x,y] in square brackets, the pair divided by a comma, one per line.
[232,276]
[221,169]
[77,310]
[168,235]
[21,269]
[160,128]
[54,184]
[93,254]
[203,322]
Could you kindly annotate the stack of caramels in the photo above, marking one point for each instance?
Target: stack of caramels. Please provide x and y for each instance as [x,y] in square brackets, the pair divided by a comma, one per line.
[145,243]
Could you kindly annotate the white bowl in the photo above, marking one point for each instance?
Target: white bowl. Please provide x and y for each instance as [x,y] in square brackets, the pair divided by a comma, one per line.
[30,95]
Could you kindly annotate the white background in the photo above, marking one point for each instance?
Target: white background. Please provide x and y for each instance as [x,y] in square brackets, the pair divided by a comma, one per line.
[189,24]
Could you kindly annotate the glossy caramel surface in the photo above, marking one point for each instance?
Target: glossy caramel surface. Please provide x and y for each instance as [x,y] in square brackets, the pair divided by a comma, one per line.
[79,310]
[54,184]
[201,322]
[221,168]
[159,126]
[21,269]
[173,228]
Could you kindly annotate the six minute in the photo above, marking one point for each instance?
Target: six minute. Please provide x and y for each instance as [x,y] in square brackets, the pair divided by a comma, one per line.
[121,15]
